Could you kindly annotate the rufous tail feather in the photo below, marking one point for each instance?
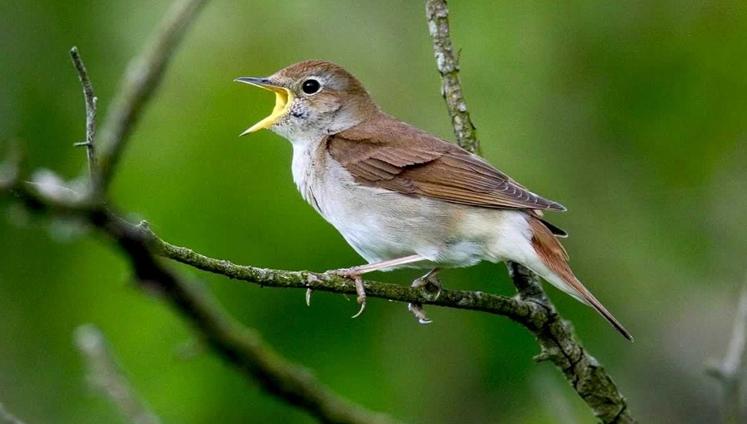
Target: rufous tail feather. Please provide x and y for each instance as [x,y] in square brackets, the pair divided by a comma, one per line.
[555,259]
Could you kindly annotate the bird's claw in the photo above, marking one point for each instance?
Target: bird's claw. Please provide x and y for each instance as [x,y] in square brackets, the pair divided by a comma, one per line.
[361,292]
[360,311]
[308,296]
[355,275]
[419,312]
[430,289]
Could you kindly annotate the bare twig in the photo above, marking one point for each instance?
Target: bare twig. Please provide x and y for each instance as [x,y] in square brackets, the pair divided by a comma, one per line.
[437,15]
[732,369]
[556,338]
[105,375]
[7,418]
[141,79]
[90,101]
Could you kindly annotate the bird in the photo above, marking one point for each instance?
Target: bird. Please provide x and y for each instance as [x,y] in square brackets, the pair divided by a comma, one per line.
[402,197]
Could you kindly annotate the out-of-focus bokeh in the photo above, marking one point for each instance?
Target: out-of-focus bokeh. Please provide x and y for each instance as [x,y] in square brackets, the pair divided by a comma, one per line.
[632,114]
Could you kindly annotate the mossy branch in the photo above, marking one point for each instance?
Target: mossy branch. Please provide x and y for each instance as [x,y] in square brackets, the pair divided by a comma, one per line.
[556,338]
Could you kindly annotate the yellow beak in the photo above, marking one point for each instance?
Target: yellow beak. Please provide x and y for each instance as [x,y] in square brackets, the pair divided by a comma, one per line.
[283,100]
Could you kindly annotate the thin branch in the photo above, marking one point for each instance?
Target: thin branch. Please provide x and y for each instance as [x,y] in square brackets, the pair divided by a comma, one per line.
[105,375]
[140,81]
[240,346]
[437,15]
[731,371]
[90,102]
[532,309]
[556,337]
[526,313]
[559,345]
[7,418]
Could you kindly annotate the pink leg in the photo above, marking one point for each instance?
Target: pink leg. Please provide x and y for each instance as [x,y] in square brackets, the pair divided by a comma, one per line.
[376,266]
[355,273]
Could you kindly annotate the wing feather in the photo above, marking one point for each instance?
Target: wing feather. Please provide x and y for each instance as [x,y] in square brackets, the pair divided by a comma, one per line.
[386,153]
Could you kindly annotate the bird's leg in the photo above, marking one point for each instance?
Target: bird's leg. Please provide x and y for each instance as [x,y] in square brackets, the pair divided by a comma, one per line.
[355,273]
[431,290]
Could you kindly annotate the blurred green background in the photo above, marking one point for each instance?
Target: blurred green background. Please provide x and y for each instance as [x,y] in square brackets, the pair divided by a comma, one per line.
[632,114]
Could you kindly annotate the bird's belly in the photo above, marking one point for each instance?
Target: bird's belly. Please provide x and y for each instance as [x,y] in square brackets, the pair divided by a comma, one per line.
[382,225]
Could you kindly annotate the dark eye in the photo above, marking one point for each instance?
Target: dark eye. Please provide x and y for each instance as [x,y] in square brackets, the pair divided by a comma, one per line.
[310,86]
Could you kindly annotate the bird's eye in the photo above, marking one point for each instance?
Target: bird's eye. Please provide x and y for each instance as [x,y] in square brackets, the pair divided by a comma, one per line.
[310,86]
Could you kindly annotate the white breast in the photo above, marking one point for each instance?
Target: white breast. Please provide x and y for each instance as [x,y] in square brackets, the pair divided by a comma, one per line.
[380,224]
[302,167]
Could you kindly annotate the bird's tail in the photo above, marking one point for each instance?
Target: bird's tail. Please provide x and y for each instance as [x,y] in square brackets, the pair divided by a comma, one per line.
[555,270]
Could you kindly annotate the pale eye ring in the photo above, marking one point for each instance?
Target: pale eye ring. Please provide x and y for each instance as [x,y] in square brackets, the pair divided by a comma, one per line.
[311,86]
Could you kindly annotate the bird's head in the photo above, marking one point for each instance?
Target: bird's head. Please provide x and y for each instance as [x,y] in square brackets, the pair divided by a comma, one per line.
[312,99]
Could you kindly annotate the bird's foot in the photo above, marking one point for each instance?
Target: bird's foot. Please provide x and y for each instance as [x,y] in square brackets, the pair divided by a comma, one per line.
[430,288]
[355,275]
[417,310]
[429,284]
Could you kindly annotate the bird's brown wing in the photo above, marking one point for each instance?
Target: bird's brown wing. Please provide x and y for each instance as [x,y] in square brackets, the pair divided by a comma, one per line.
[389,154]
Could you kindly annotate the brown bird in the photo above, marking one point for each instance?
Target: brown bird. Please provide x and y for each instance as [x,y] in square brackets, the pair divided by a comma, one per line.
[402,197]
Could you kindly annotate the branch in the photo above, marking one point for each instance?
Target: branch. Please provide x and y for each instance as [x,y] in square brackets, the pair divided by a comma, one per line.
[437,15]
[238,345]
[526,313]
[105,375]
[731,370]
[140,81]
[532,309]
[90,102]
[559,345]
[556,337]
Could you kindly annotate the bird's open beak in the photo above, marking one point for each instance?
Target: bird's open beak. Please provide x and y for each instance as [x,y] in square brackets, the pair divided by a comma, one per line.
[283,100]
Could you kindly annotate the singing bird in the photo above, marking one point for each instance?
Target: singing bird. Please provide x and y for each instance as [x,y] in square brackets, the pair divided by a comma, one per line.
[402,197]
